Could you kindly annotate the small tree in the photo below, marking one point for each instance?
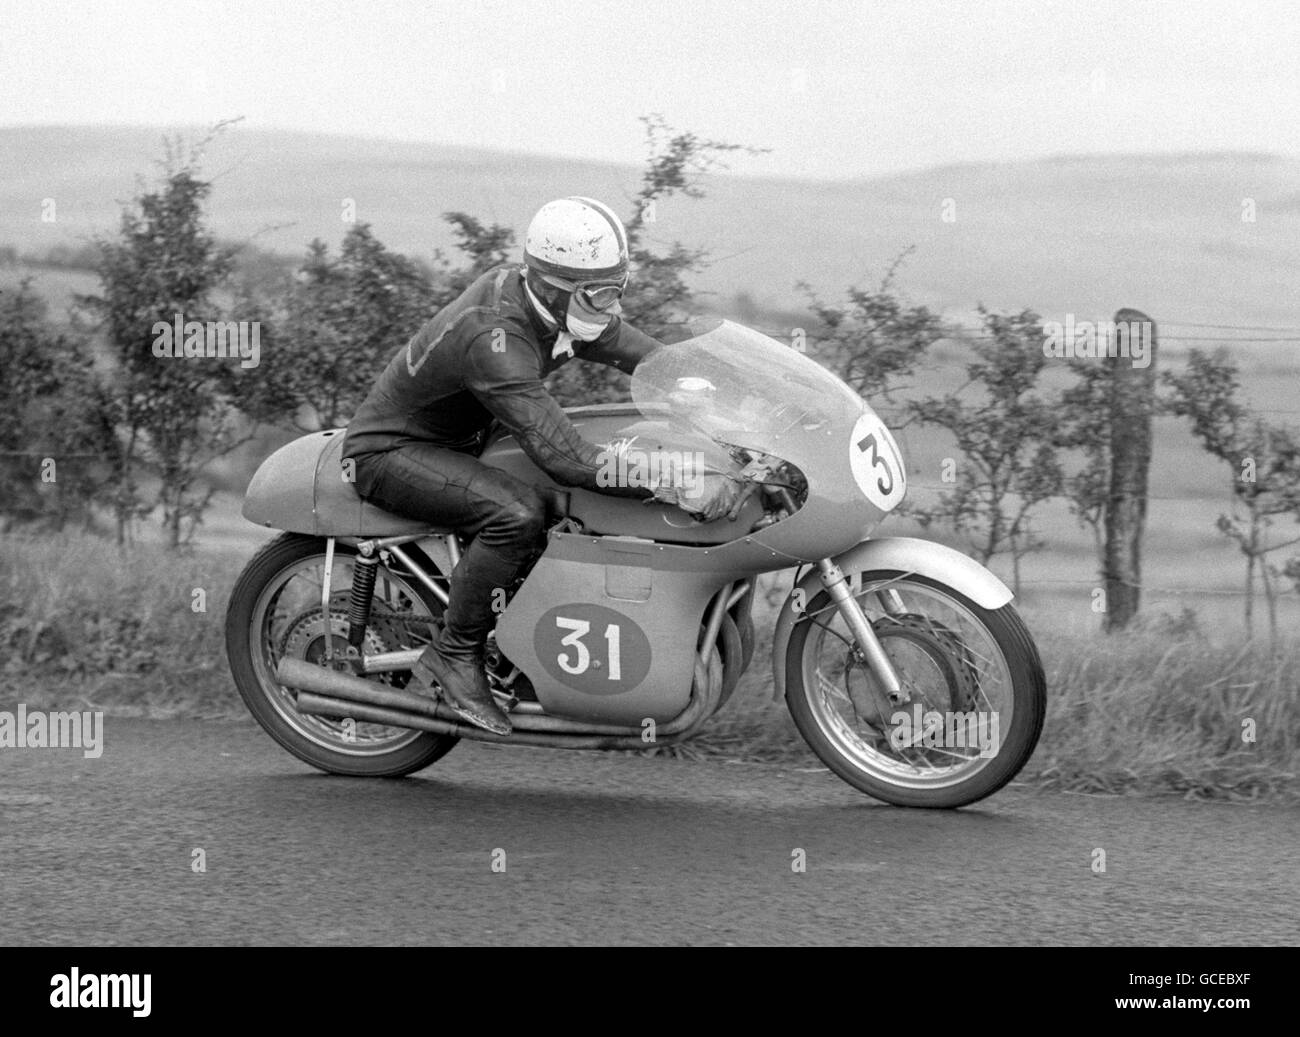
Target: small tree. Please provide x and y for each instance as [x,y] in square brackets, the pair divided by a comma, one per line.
[874,338]
[485,247]
[1085,427]
[677,164]
[172,414]
[1264,459]
[339,324]
[1005,434]
[659,299]
[49,451]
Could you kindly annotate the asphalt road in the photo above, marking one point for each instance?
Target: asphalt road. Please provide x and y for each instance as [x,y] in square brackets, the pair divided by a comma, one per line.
[599,848]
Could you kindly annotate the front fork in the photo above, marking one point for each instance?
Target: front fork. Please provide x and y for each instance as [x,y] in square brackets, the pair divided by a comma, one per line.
[869,648]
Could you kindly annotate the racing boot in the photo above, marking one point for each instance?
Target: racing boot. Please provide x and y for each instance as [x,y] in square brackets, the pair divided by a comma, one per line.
[454,659]
[459,672]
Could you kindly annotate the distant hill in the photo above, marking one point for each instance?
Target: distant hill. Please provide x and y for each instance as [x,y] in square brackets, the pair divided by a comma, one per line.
[1078,234]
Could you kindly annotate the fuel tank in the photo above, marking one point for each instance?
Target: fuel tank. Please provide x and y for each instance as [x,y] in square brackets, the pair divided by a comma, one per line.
[627,516]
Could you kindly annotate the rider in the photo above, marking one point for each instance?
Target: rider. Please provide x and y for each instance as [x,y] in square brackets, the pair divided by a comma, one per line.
[416,437]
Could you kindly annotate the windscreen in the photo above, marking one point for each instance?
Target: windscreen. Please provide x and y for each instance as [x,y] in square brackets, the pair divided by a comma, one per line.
[739,386]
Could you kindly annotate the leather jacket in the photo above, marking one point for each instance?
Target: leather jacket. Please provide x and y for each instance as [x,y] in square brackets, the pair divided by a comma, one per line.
[482,358]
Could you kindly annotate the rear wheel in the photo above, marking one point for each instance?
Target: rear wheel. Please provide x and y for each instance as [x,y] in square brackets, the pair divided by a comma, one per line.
[276,611]
[973,677]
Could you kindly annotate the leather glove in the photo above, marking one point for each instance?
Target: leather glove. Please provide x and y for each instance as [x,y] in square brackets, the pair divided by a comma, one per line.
[720,494]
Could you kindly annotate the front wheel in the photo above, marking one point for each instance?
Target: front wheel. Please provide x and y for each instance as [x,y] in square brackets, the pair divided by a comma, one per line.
[973,681]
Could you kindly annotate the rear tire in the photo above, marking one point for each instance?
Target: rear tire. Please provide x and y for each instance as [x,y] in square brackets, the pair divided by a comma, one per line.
[252,664]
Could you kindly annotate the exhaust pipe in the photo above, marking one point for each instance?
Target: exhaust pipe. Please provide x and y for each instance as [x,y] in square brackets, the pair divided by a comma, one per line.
[298,673]
[334,686]
[323,706]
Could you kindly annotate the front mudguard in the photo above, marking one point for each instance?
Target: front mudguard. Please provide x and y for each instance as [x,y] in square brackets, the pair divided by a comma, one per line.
[892,554]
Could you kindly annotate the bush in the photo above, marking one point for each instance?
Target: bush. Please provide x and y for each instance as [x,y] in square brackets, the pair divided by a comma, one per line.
[53,464]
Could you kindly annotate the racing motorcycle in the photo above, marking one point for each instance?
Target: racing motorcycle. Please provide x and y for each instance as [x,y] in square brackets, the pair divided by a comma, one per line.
[633,623]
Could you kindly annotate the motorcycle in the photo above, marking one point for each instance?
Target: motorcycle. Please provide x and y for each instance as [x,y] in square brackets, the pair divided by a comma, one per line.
[903,663]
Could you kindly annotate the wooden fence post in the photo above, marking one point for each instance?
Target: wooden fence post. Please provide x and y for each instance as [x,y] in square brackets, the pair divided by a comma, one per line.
[1132,405]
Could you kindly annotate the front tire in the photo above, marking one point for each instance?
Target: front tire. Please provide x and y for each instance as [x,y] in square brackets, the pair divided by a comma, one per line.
[273,612]
[954,658]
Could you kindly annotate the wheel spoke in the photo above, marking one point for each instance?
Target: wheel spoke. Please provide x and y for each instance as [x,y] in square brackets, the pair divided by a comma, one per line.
[953,663]
[287,620]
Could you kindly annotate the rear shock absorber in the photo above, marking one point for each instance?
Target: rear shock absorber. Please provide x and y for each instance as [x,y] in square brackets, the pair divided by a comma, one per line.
[363,591]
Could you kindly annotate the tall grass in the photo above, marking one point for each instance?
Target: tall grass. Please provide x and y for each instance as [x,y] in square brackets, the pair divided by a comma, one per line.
[1163,709]
[1169,709]
[83,621]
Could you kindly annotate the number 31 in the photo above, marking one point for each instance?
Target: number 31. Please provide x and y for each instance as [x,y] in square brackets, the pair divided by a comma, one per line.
[577,628]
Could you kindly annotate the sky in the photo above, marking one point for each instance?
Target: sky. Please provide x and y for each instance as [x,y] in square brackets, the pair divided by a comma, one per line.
[833,89]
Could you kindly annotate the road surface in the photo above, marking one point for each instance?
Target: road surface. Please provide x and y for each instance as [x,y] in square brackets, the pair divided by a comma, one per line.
[599,848]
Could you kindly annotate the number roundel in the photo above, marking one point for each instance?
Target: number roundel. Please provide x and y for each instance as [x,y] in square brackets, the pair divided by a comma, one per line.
[876,464]
[592,649]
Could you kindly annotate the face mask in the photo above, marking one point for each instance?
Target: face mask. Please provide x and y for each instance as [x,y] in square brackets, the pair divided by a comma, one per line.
[580,327]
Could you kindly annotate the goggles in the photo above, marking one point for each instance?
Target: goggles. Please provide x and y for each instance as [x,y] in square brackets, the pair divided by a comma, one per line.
[595,295]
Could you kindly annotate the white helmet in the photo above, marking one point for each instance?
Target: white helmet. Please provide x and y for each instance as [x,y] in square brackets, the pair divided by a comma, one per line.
[579,240]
